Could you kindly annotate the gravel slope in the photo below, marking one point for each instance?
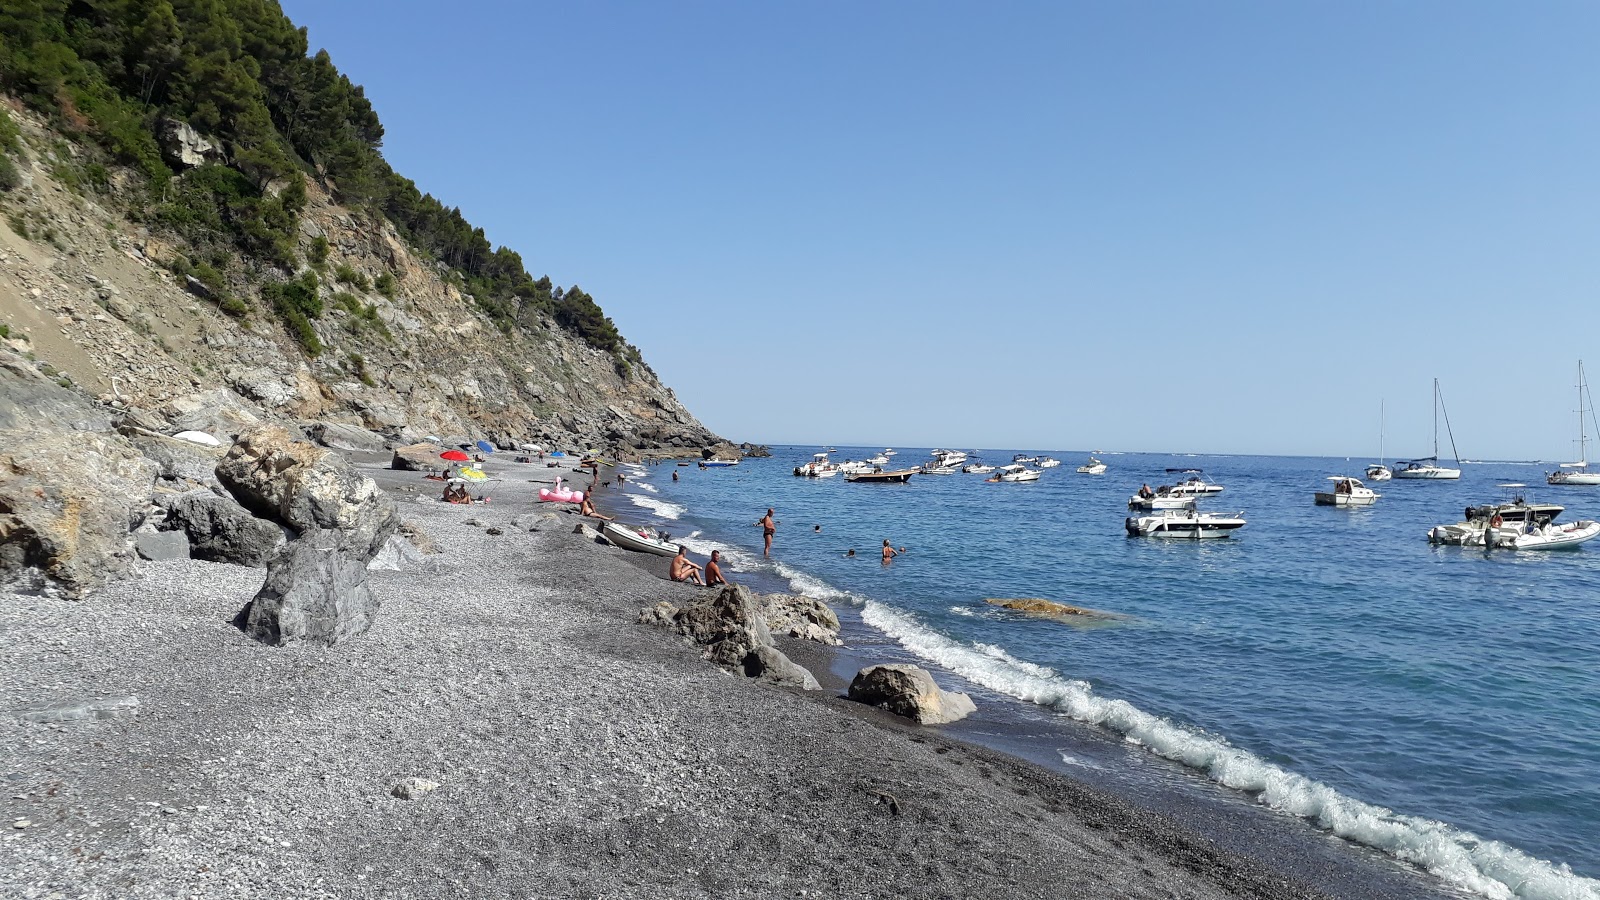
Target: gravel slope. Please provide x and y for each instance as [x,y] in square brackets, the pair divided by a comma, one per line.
[578,753]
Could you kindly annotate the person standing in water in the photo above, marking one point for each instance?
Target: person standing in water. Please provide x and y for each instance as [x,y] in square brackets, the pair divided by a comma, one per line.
[769,527]
[888,552]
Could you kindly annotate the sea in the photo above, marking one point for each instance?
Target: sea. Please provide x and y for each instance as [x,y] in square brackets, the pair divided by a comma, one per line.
[1436,705]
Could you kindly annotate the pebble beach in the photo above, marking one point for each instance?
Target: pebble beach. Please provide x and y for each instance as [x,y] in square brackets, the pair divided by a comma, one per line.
[508,728]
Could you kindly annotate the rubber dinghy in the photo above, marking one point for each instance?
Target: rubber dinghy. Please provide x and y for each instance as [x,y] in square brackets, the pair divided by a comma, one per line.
[632,537]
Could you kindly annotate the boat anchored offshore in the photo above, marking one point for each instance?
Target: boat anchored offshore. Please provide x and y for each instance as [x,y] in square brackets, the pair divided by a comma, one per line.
[1347,491]
[718,463]
[977,468]
[1378,471]
[1577,473]
[1184,523]
[1428,468]
[1195,484]
[1015,472]
[819,467]
[1048,462]
[1514,524]
[1093,467]
[879,476]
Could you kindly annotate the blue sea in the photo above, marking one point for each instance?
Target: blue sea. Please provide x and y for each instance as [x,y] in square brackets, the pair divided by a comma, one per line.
[1440,705]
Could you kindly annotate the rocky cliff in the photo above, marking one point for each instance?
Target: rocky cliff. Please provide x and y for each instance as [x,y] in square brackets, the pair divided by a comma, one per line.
[95,298]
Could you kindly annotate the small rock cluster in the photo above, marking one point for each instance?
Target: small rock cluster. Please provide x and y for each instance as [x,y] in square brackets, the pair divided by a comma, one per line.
[732,627]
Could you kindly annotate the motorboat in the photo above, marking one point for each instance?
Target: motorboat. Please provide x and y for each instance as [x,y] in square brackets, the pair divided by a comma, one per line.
[1048,462]
[879,476]
[1379,472]
[855,467]
[934,468]
[1092,467]
[1184,523]
[1024,459]
[951,459]
[819,467]
[1548,536]
[879,460]
[639,540]
[718,463]
[977,468]
[1015,472]
[1488,523]
[1577,473]
[1160,498]
[1196,484]
[1347,491]
[888,451]
[1427,468]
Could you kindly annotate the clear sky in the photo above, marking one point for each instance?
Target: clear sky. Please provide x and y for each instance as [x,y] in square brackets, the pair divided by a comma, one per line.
[1220,226]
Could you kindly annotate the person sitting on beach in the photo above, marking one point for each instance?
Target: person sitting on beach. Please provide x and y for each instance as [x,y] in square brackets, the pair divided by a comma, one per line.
[714,570]
[456,493]
[682,569]
[587,509]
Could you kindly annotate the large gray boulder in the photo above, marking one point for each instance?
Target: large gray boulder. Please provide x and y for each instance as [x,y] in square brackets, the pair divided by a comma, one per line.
[183,463]
[801,617]
[345,437]
[221,530]
[218,412]
[316,592]
[769,664]
[731,627]
[909,691]
[71,491]
[306,487]
[417,458]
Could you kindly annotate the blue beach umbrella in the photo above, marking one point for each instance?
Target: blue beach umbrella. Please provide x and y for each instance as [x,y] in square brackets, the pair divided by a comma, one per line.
[485,446]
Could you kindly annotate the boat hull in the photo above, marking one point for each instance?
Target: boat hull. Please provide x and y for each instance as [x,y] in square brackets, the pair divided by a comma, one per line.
[628,539]
[1092,470]
[718,463]
[900,477]
[1329,498]
[1200,526]
[1428,473]
[1379,473]
[1582,479]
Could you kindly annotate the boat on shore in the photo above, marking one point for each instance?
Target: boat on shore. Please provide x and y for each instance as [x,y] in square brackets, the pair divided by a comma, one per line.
[1184,523]
[637,539]
[1577,473]
[1427,468]
[1347,491]
[879,476]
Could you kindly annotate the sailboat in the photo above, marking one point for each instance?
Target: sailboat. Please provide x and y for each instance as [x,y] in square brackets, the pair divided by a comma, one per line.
[1578,472]
[1378,471]
[1428,468]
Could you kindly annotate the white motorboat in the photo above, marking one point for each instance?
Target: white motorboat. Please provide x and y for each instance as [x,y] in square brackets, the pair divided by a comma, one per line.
[1515,508]
[1427,468]
[879,460]
[1024,459]
[1549,536]
[1015,472]
[1496,524]
[952,459]
[1347,491]
[1577,473]
[1092,467]
[934,468]
[856,467]
[640,540]
[1160,498]
[1048,462]
[977,468]
[1184,523]
[1378,471]
[819,467]
[1196,484]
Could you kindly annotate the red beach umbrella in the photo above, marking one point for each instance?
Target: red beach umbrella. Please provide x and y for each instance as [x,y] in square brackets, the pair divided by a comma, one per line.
[454,456]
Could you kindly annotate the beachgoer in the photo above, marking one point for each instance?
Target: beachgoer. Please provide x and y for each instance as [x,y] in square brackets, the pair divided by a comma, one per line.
[682,569]
[850,552]
[456,493]
[888,552]
[769,527]
[714,570]
[816,528]
[674,474]
[587,509]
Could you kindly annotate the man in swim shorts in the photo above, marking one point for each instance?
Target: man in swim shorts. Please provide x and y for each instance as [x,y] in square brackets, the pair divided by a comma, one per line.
[682,569]
[769,527]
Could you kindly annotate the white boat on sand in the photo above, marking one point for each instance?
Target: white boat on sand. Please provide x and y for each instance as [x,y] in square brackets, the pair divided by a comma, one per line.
[632,537]
[1347,491]
[1184,523]
[1577,473]
[1427,468]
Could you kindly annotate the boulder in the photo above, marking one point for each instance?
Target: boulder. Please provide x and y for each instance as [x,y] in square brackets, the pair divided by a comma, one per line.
[316,592]
[345,437]
[723,450]
[733,617]
[909,691]
[306,487]
[396,555]
[183,146]
[181,462]
[801,617]
[71,491]
[769,664]
[417,458]
[221,530]
[217,411]
[413,788]
[161,545]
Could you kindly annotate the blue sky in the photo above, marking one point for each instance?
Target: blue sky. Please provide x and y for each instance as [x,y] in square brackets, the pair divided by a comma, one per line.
[1208,227]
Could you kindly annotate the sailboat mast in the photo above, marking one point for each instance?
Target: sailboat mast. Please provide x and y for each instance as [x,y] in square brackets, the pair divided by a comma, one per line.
[1436,420]
[1439,405]
[1583,439]
[1380,432]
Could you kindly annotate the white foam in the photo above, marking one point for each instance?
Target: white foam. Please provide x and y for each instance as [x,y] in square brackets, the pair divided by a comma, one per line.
[643,486]
[661,508]
[808,585]
[1490,868]
[737,559]
[966,611]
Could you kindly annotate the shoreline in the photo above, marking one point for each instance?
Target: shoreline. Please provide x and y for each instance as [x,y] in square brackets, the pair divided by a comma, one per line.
[578,753]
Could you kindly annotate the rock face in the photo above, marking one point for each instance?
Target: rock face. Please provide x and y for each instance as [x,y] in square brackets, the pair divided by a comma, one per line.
[909,691]
[183,146]
[306,488]
[71,491]
[221,530]
[316,592]
[733,629]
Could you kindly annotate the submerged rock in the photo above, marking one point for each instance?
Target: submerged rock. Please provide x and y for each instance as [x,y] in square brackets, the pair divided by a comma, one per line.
[909,691]
[1076,616]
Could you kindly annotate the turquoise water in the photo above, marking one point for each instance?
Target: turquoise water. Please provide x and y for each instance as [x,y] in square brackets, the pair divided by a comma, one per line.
[1439,704]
